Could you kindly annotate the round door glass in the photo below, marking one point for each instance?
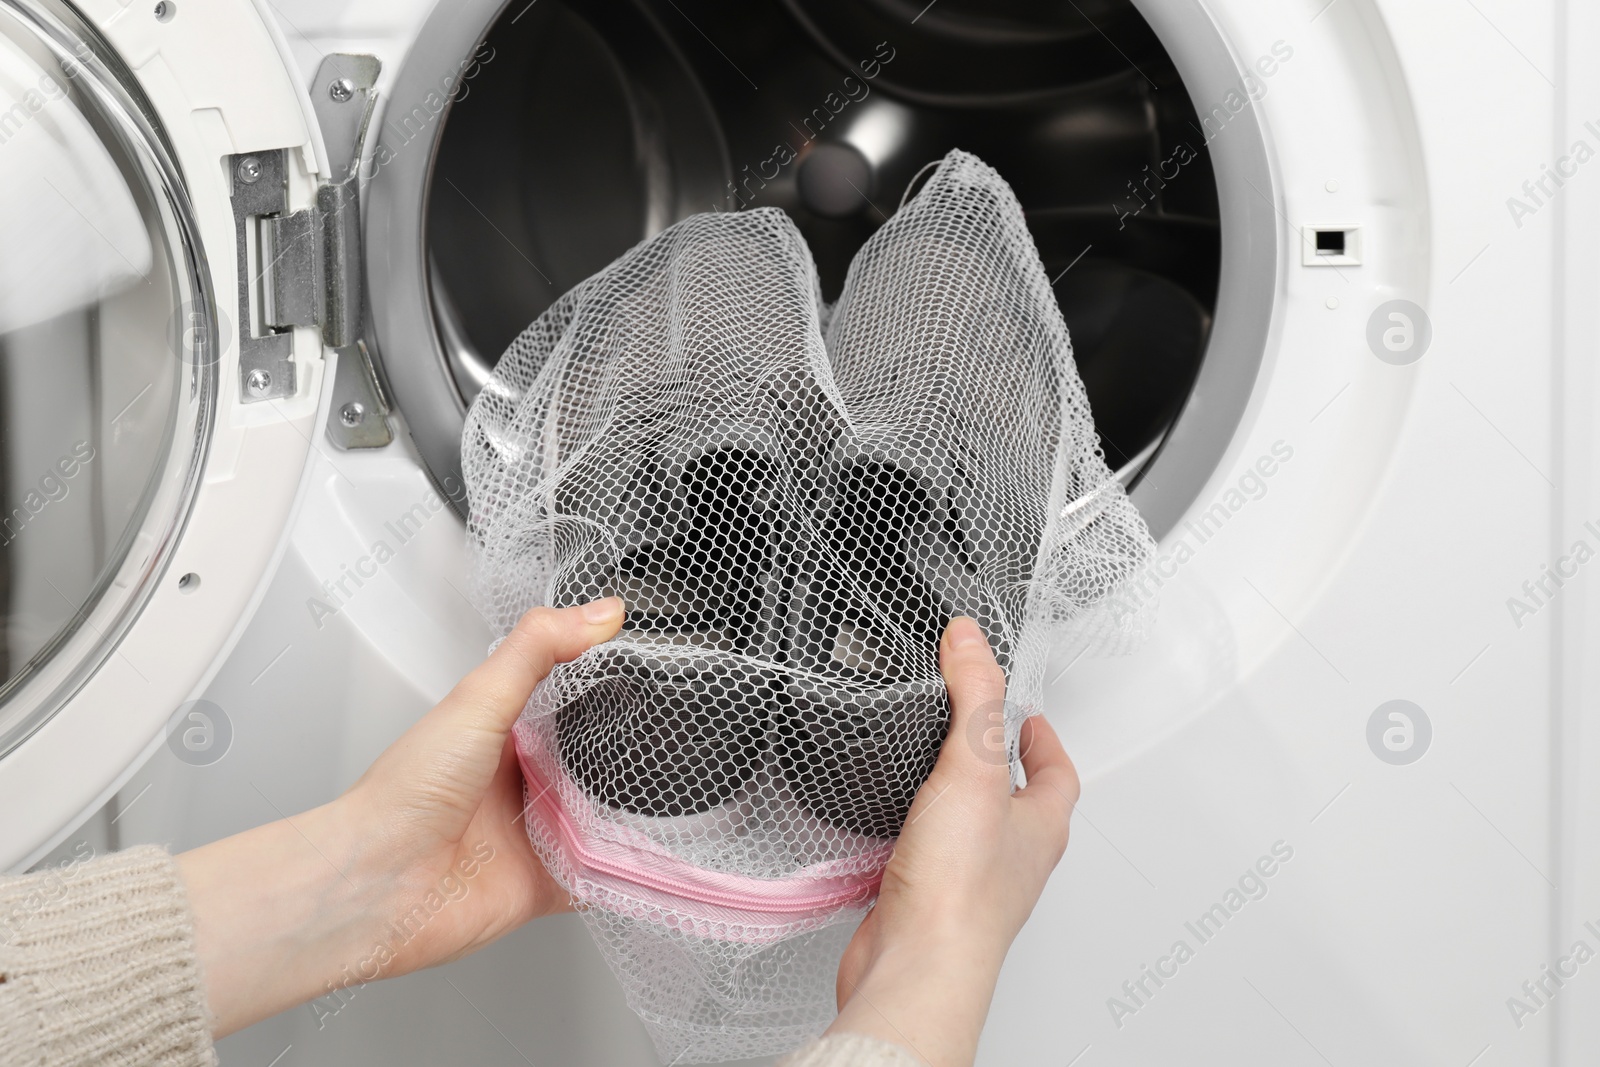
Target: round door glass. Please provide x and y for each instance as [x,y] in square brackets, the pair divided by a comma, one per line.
[103,363]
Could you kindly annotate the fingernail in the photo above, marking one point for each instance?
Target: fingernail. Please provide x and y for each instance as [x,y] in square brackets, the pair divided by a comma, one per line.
[597,612]
[964,633]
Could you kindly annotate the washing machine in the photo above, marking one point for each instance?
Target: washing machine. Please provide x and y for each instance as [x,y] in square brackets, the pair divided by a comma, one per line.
[1329,269]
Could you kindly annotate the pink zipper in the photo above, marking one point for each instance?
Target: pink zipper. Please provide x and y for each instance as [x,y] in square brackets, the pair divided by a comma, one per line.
[756,899]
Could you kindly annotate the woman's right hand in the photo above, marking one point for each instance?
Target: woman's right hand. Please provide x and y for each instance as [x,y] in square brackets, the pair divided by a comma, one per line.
[968,868]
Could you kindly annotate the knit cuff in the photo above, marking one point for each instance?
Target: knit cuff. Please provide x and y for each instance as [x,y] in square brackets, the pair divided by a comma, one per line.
[98,966]
[851,1050]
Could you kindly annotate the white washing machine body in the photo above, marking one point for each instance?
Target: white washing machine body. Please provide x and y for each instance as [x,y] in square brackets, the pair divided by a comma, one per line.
[1334,807]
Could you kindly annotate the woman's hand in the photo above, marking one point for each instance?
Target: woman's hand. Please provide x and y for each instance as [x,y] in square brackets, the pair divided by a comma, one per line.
[422,861]
[966,872]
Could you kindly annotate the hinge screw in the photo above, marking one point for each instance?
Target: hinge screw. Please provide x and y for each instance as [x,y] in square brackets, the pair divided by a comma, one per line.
[258,382]
[249,170]
[342,89]
[352,414]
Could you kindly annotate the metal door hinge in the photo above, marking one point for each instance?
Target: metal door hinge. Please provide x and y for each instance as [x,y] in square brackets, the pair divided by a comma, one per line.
[308,262]
[314,278]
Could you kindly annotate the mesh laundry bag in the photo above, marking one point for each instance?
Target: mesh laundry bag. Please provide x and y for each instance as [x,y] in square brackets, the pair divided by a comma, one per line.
[792,500]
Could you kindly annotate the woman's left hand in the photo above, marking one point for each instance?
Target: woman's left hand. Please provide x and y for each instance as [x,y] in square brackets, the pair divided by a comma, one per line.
[424,860]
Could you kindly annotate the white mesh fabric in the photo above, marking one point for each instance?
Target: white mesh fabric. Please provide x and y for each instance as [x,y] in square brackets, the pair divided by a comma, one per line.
[791,517]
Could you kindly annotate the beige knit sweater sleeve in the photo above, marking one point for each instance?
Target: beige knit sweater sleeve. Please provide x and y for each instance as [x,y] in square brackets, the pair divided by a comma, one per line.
[97,966]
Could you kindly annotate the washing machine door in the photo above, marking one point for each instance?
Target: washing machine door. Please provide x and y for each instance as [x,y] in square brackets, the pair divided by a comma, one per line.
[165,284]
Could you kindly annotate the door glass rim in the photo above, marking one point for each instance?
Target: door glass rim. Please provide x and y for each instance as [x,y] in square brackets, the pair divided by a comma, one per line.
[45,686]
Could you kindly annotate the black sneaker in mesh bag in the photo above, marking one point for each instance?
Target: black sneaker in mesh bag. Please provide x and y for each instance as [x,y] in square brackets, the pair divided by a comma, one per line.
[791,514]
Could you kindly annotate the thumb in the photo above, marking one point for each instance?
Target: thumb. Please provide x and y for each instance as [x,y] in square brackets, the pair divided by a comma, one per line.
[494,694]
[441,767]
[976,742]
